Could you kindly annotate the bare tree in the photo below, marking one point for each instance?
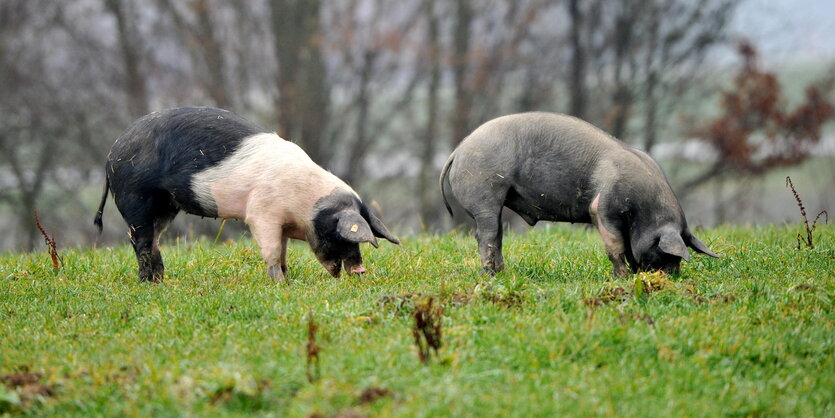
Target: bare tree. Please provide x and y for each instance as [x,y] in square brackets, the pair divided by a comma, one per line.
[755,132]
[303,102]
[130,48]
[460,59]
[578,76]
[428,205]
[198,31]
[629,55]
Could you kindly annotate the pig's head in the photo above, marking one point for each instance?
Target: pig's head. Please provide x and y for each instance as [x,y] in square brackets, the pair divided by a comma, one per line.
[664,248]
[340,223]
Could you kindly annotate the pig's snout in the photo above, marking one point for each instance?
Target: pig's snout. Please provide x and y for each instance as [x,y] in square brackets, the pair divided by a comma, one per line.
[358,269]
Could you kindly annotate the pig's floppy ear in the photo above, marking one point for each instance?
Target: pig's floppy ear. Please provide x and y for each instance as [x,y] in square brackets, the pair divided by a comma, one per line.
[672,244]
[353,228]
[697,245]
[377,226]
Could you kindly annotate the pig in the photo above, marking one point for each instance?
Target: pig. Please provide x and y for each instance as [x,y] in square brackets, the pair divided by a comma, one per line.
[214,163]
[553,167]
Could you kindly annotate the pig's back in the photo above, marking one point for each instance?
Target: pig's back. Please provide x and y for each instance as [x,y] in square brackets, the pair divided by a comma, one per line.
[538,143]
[182,140]
[162,151]
[546,161]
[540,132]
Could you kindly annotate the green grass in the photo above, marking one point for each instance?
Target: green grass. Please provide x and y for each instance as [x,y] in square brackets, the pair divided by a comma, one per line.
[750,333]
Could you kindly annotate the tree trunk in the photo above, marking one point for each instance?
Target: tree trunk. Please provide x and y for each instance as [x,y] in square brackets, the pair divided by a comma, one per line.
[129,47]
[460,59]
[576,83]
[650,99]
[427,208]
[622,96]
[303,92]
[217,85]
[359,148]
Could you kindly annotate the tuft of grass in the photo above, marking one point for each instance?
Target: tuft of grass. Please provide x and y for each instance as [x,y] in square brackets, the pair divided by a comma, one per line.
[750,333]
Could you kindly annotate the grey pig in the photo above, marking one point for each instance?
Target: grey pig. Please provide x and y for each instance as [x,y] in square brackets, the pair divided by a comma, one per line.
[553,167]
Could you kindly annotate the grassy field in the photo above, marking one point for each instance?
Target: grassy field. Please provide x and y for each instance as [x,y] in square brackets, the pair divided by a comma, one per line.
[748,334]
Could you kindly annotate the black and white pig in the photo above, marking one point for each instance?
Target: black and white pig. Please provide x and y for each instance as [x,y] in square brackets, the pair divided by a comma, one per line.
[214,163]
[554,167]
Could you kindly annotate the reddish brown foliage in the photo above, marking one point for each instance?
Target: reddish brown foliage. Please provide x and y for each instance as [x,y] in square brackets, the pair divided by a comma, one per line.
[372,394]
[27,385]
[756,132]
[427,329]
[50,243]
[312,349]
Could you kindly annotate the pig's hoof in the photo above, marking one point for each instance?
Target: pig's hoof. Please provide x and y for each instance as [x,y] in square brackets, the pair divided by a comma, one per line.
[276,273]
[488,271]
[620,273]
[150,278]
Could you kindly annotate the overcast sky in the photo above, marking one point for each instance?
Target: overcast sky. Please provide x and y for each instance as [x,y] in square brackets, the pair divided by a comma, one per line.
[789,30]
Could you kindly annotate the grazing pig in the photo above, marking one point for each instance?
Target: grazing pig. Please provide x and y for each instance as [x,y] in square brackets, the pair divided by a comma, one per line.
[214,163]
[554,167]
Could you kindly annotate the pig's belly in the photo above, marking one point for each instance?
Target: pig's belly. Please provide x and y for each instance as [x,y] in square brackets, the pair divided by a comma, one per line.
[555,206]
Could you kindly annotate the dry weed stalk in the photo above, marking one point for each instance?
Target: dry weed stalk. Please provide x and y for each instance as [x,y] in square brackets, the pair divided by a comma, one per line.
[809,242]
[50,243]
[427,329]
[312,349]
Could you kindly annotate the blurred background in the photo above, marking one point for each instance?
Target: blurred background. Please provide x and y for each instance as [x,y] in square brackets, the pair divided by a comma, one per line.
[729,96]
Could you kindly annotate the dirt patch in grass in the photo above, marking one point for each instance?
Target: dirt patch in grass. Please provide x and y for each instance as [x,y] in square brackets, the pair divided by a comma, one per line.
[644,317]
[349,413]
[690,291]
[461,299]
[27,386]
[230,395]
[802,287]
[373,393]
[607,296]
[403,303]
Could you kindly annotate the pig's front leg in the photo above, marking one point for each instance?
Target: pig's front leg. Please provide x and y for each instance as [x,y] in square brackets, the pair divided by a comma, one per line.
[615,249]
[282,259]
[612,241]
[270,240]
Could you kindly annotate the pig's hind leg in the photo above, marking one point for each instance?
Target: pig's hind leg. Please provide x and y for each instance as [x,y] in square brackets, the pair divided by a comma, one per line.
[485,207]
[273,246]
[489,237]
[147,217]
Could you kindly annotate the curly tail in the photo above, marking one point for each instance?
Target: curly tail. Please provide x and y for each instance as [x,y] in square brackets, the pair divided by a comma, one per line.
[97,220]
[443,180]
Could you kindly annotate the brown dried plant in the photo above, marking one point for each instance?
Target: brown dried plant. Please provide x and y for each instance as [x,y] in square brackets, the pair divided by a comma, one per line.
[810,229]
[312,349]
[50,243]
[427,330]
[756,132]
